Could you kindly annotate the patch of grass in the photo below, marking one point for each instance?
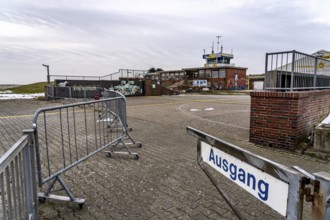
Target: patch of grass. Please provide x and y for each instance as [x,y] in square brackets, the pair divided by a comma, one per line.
[29,88]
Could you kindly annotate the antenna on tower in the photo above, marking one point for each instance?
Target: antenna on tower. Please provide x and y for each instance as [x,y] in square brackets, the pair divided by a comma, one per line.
[212,47]
[218,37]
[204,51]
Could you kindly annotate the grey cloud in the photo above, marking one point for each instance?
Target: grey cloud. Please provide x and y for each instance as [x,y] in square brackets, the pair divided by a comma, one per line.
[90,41]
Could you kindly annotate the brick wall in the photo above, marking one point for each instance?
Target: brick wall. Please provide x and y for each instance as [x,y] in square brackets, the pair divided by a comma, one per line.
[283,119]
[153,89]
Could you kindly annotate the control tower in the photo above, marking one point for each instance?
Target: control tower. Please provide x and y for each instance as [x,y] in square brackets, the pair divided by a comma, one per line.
[217,59]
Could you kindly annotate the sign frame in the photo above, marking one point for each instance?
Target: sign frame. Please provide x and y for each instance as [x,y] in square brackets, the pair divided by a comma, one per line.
[276,170]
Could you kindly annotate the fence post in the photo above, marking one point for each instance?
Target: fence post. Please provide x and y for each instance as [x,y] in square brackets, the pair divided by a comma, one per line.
[292,69]
[315,71]
[29,177]
[70,93]
[266,67]
[321,204]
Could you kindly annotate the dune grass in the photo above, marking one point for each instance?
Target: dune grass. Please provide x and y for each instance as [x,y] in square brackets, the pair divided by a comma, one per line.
[29,88]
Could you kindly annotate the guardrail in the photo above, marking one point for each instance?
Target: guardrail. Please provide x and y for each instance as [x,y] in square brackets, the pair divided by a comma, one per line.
[70,93]
[68,135]
[279,187]
[293,70]
[127,73]
[18,191]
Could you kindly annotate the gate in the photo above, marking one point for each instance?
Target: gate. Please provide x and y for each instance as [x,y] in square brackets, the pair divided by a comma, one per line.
[68,135]
[18,191]
[279,187]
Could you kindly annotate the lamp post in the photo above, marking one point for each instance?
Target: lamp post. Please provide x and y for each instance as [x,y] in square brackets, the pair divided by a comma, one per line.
[48,77]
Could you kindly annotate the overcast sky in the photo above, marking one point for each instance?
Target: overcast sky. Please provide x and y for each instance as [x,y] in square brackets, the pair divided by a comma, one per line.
[98,37]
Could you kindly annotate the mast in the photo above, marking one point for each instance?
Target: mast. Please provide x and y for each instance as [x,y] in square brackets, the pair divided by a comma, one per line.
[218,37]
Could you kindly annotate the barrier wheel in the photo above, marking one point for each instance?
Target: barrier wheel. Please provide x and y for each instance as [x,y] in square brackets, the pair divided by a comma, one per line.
[109,154]
[42,199]
[139,145]
[136,157]
[81,205]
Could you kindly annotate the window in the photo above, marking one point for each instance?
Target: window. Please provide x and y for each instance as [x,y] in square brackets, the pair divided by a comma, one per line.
[210,61]
[215,74]
[208,73]
[222,74]
[201,73]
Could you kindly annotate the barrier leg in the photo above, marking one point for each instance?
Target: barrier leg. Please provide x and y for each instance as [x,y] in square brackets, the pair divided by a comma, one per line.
[133,142]
[114,147]
[69,198]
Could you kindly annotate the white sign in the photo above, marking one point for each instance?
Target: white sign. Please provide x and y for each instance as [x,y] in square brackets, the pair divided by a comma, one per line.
[200,83]
[268,189]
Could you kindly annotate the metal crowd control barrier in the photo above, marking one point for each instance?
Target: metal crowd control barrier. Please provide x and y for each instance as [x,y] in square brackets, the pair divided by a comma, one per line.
[67,135]
[113,120]
[281,188]
[122,114]
[18,191]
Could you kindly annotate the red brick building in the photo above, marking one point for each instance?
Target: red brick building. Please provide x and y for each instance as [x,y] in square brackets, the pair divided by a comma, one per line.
[217,74]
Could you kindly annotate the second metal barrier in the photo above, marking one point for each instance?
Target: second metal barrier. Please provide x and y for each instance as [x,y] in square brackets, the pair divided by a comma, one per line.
[67,135]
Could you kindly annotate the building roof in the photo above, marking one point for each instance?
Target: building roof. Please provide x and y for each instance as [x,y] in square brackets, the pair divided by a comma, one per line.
[215,68]
[216,55]
[324,54]
[171,71]
[256,76]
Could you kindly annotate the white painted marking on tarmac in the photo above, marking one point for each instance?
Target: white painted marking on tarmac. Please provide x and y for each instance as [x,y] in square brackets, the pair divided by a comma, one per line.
[198,110]
[195,110]
[211,121]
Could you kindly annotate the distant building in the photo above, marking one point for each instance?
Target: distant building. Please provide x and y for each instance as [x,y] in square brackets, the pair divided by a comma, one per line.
[217,74]
[219,77]
[256,81]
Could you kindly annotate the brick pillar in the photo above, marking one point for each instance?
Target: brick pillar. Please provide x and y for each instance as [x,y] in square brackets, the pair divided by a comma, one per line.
[284,119]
